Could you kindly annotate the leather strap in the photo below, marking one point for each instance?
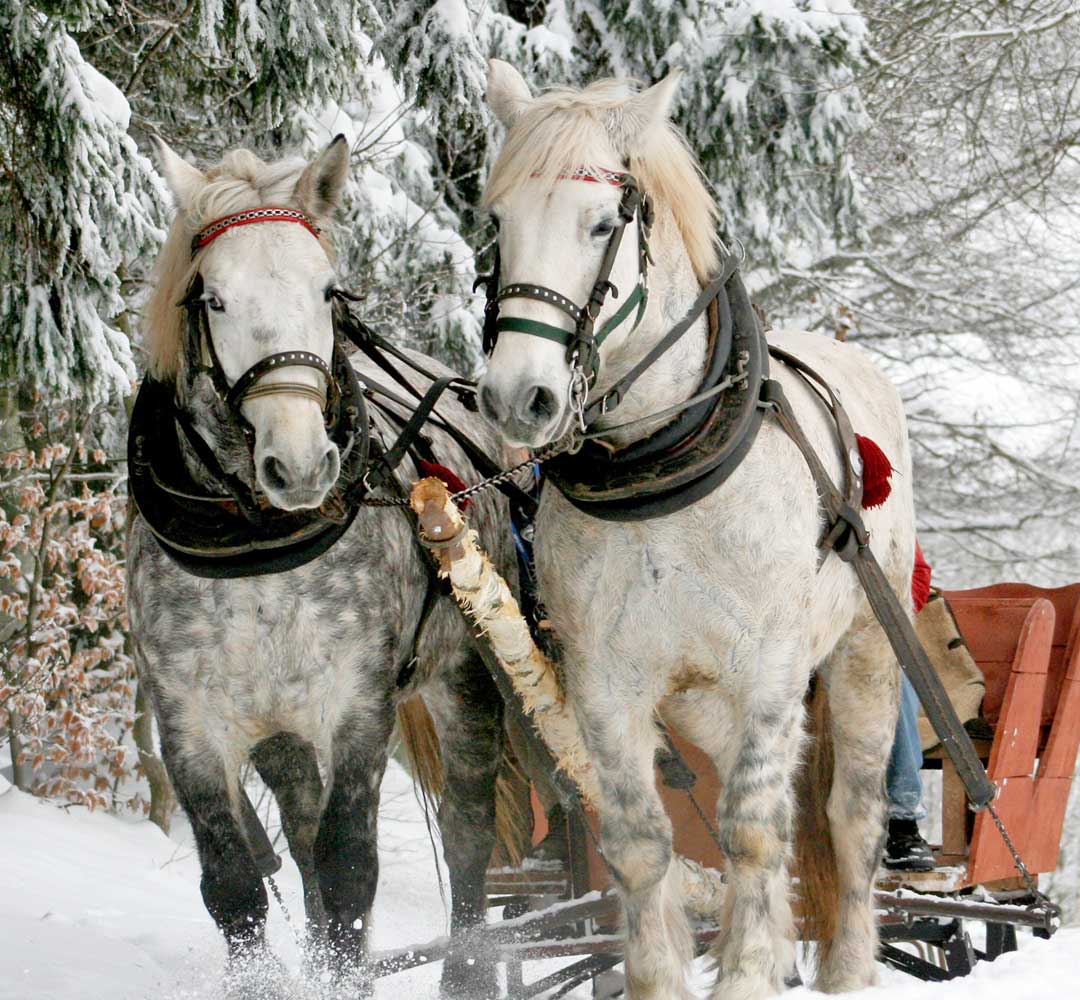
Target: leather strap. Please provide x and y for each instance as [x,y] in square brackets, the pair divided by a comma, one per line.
[614,396]
[848,537]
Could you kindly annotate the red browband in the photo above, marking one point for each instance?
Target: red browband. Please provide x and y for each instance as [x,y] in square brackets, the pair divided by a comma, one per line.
[267,213]
[594,175]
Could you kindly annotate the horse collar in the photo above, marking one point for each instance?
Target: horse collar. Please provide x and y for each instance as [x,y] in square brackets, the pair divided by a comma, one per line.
[692,455]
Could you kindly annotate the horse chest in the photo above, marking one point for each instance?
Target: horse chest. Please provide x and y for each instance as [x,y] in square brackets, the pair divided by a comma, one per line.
[265,661]
[691,599]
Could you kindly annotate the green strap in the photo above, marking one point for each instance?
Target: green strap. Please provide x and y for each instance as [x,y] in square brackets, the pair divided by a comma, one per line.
[515,324]
[636,297]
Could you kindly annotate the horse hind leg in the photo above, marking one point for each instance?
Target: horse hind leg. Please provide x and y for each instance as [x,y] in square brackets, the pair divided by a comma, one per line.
[636,838]
[862,681]
[289,767]
[467,714]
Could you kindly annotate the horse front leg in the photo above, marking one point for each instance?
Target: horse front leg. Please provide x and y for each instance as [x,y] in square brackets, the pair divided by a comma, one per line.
[468,716]
[346,848]
[232,888]
[621,739]
[756,952]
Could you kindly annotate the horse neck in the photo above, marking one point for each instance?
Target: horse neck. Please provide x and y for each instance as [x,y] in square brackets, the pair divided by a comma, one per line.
[676,374]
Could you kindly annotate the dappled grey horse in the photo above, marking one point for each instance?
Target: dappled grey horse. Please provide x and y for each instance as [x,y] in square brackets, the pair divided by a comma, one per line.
[300,669]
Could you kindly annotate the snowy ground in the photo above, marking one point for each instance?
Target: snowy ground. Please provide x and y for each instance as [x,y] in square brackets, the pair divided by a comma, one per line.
[97,908]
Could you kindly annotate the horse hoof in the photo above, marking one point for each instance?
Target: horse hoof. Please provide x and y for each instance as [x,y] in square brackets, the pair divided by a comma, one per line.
[255,974]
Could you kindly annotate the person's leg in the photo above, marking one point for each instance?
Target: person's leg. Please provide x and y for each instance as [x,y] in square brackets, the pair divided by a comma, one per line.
[906,850]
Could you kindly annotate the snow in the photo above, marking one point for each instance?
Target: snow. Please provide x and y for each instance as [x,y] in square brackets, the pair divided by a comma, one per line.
[94,906]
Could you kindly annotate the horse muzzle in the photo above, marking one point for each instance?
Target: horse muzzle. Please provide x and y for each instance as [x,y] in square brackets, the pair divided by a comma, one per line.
[528,416]
[292,483]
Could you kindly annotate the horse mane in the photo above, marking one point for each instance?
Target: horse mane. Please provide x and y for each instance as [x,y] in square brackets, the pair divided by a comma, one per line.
[240,181]
[558,131]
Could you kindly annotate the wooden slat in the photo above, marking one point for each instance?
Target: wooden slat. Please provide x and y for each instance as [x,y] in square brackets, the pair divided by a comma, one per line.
[1059,760]
[1017,737]
[1048,809]
[990,858]
[954,811]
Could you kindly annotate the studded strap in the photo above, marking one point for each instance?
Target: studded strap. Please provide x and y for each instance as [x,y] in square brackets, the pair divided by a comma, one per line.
[265,213]
[243,386]
[523,290]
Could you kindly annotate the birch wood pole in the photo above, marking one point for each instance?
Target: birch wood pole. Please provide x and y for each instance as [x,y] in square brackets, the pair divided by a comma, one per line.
[487,600]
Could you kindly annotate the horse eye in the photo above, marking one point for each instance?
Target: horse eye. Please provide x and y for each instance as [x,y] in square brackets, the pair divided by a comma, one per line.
[213,303]
[328,292]
[605,228]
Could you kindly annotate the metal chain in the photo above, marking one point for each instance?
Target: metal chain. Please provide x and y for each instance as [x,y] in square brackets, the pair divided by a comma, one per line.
[385,502]
[1041,902]
[564,444]
[557,448]
[285,910]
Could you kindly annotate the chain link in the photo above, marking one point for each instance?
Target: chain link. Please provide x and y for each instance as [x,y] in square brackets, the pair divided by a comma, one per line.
[557,448]
[1041,902]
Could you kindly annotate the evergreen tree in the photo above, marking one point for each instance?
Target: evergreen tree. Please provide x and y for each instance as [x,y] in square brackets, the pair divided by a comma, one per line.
[768,100]
[78,204]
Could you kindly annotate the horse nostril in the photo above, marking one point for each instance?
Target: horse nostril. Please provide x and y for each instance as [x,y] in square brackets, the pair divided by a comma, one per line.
[329,469]
[273,473]
[489,406]
[540,403]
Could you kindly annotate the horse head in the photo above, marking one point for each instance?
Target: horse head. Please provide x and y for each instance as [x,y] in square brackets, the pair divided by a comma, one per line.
[573,305]
[241,316]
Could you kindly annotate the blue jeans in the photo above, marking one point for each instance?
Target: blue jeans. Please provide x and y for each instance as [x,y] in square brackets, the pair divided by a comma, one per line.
[903,786]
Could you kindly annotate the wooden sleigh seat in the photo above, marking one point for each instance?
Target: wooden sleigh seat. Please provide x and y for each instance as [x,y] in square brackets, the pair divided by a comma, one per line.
[1026,641]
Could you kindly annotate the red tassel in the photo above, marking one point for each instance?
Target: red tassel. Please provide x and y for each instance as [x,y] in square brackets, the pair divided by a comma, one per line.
[920,580]
[877,470]
[454,483]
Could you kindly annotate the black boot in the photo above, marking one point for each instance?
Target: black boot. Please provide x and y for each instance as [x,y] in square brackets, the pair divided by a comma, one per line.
[906,850]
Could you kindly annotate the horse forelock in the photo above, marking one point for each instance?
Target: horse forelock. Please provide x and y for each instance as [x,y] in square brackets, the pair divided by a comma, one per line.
[566,128]
[241,181]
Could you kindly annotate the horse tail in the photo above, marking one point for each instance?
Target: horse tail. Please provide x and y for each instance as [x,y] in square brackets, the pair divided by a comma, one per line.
[421,743]
[513,816]
[815,858]
[513,810]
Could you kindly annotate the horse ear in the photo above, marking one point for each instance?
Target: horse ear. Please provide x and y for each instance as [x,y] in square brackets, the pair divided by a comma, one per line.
[183,179]
[632,121]
[319,188]
[507,92]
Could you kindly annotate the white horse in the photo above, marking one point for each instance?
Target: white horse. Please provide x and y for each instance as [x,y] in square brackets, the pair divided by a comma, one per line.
[714,617]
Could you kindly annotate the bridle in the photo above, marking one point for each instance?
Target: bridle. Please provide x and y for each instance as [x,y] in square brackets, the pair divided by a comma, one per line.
[340,399]
[583,341]
[247,385]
